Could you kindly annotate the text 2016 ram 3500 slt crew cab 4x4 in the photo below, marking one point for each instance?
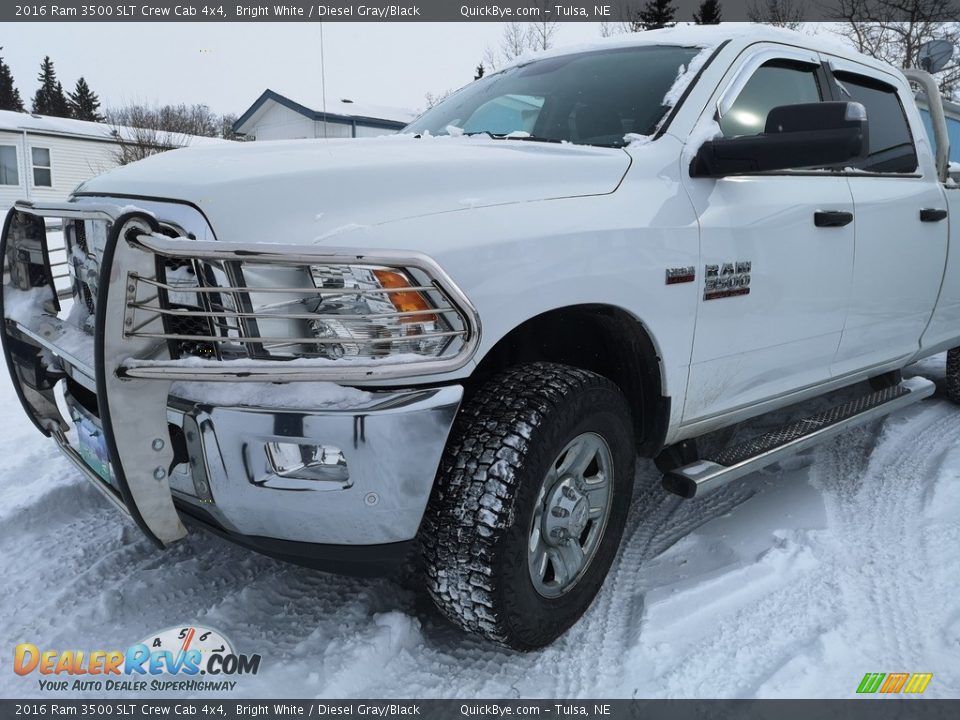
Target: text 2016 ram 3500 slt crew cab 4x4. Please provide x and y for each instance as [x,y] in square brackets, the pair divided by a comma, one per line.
[462,337]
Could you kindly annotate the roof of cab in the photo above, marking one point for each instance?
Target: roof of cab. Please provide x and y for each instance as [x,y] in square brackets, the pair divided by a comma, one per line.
[740,35]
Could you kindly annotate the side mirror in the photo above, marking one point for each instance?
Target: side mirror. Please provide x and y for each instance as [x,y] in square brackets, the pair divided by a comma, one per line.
[796,136]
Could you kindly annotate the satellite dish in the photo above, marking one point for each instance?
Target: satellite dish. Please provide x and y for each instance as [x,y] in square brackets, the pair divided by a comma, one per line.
[934,55]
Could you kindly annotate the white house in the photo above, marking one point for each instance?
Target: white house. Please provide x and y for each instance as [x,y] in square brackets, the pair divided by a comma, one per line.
[45,158]
[276,117]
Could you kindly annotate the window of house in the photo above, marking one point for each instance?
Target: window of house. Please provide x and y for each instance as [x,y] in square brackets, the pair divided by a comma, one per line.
[8,165]
[891,142]
[779,82]
[41,167]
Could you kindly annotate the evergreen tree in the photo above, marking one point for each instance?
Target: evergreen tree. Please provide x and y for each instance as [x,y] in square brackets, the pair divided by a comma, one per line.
[480,72]
[9,95]
[61,106]
[708,13]
[49,98]
[84,103]
[656,14]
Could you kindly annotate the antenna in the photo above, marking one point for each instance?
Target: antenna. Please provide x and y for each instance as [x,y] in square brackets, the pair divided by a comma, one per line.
[323,83]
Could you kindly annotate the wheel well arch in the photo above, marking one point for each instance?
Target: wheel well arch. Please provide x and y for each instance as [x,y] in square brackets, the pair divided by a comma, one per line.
[604,339]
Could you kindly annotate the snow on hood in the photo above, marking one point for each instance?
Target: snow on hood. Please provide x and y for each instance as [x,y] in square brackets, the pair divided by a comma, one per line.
[324,188]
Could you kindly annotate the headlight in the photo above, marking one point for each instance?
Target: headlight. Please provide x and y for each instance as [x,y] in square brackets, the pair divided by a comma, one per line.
[374,311]
[285,311]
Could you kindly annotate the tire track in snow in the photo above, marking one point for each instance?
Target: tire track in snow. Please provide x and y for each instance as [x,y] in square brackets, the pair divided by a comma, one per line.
[78,576]
[657,521]
[115,579]
[875,503]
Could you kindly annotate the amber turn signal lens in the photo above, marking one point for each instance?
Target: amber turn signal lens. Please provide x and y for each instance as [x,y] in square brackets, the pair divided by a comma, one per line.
[404,301]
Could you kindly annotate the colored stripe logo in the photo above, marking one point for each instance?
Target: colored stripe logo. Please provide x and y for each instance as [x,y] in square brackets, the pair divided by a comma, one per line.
[893,683]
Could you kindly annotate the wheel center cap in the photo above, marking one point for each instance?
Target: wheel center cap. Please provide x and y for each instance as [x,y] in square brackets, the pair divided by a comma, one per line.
[567,513]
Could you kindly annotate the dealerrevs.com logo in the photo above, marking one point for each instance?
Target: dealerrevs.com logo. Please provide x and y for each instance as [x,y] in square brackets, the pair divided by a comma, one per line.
[170,660]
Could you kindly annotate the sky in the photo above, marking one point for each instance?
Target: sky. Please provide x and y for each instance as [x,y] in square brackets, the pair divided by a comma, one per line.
[227,66]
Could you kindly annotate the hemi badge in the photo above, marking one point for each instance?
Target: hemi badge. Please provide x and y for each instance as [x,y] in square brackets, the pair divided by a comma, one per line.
[675,276]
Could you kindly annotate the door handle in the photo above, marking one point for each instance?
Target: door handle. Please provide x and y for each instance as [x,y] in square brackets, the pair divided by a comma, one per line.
[832,218]
[932,215]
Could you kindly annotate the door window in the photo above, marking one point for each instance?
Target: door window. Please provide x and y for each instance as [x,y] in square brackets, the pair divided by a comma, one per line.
[779,82]
[891,142]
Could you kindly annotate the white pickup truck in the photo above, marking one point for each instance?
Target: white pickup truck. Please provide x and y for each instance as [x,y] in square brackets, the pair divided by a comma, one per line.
[461,338]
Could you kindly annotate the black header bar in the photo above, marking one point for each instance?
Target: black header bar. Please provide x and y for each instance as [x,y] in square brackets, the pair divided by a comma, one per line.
[613,11]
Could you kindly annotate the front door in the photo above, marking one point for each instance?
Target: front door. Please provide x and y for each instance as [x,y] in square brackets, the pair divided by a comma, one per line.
[776,254]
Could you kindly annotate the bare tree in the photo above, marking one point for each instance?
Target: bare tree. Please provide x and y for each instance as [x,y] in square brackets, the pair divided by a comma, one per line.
[630,17]
[226,128]
[520,38]
[540,35]
[895,30]
[142,130]
[432,100]
[514,40]
[491,58]
[609,28]
[180,119]
[779,13]
[137,143]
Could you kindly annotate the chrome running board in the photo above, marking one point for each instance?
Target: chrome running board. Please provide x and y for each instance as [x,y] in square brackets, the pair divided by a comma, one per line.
[708,474]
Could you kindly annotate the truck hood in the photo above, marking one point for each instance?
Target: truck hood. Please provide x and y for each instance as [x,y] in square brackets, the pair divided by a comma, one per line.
[317,190]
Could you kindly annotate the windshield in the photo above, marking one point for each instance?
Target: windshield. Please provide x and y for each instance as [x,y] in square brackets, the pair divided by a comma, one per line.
[590,98]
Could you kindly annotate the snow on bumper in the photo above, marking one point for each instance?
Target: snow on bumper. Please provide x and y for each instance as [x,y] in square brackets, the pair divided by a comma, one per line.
[339,466]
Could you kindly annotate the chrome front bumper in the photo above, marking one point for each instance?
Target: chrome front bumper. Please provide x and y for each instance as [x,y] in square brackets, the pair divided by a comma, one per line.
[389,446]
[168,445]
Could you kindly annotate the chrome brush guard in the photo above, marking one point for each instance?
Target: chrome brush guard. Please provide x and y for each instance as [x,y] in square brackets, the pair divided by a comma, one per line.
[129,356]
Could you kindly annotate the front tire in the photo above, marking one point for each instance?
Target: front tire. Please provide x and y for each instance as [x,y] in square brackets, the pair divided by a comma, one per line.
[530,503]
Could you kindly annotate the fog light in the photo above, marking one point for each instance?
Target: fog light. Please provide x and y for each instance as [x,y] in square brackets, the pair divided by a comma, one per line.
[308,462]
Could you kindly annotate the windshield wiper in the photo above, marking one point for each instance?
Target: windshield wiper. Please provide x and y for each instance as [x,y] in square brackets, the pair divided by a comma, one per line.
[509,136]
[529,138]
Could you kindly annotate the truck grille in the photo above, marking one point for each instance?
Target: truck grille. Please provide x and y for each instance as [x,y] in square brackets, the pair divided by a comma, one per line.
[83,265]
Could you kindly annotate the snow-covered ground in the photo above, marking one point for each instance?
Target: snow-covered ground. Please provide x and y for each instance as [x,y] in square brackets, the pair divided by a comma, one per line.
[791,584]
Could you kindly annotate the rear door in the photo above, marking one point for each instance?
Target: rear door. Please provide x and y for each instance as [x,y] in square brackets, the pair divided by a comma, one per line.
[775,285]
[900,224]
